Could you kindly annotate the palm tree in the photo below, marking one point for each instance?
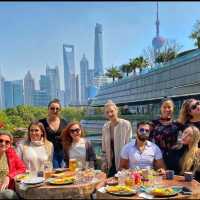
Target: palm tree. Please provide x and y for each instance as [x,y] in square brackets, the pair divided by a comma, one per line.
[133,65]
[126,68]
[142,63]
[113,73]
[195,35]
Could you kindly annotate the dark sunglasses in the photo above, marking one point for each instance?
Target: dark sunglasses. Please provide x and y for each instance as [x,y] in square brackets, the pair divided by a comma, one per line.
[194,106]
[54,108]
[142,130]
[77,130]
[7,142]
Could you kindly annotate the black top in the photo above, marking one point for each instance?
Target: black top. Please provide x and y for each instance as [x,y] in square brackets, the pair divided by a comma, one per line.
[53,136]
[165,135]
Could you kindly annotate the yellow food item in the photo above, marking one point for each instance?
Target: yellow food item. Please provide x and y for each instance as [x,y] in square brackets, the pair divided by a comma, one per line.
[119,188]
[63,180]
[162,191]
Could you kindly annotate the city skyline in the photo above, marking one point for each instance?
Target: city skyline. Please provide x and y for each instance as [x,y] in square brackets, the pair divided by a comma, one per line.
[35,32]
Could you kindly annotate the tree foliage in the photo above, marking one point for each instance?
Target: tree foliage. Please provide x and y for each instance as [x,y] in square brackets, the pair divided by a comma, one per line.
[195,34]
[113,73]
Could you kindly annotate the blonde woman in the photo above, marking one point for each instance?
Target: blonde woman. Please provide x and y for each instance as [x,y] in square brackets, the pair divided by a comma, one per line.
[115,134]
[186,155]
[165,130]
[36,149]
[190,113]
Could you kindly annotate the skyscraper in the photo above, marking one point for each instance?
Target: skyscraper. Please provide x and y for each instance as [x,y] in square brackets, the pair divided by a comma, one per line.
[44,83]
[29,87]
[8,92]
[157,41]
[13,91]
[69,74]
[98,51]
[53,80]
[18,92]
[84,79]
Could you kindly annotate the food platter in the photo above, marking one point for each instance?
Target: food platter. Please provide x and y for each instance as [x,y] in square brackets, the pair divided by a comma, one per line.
[61,181]
[32,181]
[163,191]
[120,190]
[22,177]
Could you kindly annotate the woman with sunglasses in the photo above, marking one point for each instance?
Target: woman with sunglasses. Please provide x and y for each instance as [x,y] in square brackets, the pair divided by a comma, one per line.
[36,150]
[115,134]
[190,113]
[76,146]
[54,125]
[165,130]
[10,165]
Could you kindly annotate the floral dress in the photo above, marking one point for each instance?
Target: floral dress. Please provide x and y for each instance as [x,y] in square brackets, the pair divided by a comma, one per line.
[165,136]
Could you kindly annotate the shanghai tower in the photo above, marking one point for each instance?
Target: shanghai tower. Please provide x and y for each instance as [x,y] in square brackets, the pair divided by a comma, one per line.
[98,51]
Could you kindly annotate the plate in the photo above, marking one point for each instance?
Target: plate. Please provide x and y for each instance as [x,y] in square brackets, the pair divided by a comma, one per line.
[163,191]
[35,180]
[22,177]
[121,193]
[58,181]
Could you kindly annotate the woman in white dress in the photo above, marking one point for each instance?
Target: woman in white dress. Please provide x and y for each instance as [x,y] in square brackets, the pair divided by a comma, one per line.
[36,150]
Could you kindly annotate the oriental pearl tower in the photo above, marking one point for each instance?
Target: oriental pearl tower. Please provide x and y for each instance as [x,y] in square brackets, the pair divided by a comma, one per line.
[157,41]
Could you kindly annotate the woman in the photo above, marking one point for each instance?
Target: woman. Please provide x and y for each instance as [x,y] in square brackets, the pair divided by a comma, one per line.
[36,150]
[77,147]
[165,131]
[54,125]
[115,134]
[10,165]
[186,155]
[190,113]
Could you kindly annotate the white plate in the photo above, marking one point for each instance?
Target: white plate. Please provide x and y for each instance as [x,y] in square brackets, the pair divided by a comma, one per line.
[35,180]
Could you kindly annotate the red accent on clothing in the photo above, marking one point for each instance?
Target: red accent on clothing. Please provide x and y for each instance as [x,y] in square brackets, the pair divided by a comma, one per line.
[15,164]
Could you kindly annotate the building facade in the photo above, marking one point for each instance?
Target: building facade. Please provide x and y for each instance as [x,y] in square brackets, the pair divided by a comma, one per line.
[177,78]
[84,67]
[53,80]
[69,74]
[29,87]
[98,50]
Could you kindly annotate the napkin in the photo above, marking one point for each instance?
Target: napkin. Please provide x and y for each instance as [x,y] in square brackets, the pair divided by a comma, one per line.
[145,195]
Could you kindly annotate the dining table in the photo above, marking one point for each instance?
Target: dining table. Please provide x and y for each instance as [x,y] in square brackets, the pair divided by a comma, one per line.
[69,191]
[178,181]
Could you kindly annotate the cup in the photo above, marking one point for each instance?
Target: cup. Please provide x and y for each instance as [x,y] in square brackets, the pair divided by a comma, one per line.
[169,174]
[188,176]
[72,164]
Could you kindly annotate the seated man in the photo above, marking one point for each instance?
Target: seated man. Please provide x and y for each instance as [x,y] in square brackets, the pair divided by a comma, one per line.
[140,152]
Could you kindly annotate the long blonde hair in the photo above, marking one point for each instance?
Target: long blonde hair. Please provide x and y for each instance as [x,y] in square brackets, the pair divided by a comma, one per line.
[184,114]
[190,158]
[110,103]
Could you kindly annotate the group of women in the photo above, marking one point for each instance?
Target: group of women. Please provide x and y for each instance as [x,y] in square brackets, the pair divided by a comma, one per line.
[54,141]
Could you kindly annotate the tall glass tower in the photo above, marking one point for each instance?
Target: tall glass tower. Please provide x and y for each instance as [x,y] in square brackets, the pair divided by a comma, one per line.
[29,87]
[69,74]
[98,51]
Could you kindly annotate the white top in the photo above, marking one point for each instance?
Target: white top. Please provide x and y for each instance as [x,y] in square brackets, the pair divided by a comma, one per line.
[140,159]
[78,151]
[33,155]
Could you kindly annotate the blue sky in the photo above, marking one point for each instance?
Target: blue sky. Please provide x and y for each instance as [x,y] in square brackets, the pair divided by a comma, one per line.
[32,33]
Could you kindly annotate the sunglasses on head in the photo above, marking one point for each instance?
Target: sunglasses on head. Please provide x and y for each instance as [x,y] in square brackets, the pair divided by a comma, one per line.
[7,142]
[77,130]
[143,130]
[194,106]
[54,108]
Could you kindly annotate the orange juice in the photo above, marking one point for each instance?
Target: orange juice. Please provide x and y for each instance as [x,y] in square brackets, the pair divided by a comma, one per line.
[129,182]
[72,164]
